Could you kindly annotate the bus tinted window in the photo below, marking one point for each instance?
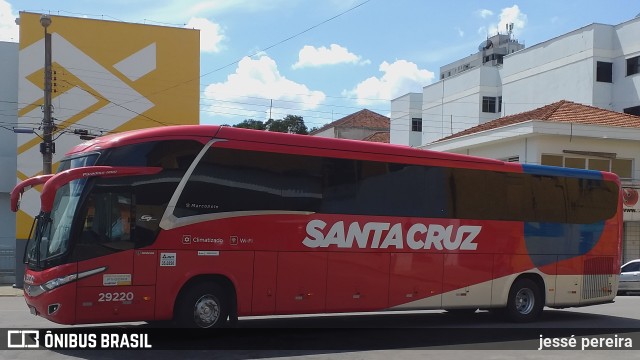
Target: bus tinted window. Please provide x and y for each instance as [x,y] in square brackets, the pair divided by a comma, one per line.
[231,180]
[589,200]
[402,190]
[237,180]
[170,154]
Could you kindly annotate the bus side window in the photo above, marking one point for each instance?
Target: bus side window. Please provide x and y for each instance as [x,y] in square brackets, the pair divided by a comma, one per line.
[106,227]
[339,186]
[549,199]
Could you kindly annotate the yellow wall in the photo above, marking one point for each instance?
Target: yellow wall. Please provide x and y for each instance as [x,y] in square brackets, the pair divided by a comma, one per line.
[109,76]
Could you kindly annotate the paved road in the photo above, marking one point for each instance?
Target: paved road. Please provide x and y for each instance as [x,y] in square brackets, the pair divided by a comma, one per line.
[356,336]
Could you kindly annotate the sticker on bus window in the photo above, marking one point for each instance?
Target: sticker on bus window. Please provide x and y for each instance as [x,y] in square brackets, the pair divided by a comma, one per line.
[116,279]
[167,259]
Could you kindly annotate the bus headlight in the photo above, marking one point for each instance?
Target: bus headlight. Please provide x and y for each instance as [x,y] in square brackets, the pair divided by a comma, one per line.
[52,284]
[35,290]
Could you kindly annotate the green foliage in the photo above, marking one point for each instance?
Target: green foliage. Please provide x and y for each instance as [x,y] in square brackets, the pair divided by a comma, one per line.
[292,124]
[251,124]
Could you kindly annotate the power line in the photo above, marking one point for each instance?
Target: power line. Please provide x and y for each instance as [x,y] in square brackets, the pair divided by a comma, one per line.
[267,48]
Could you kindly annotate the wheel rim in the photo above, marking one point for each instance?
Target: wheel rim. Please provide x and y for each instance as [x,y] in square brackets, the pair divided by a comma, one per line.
[206,311]
[525,300]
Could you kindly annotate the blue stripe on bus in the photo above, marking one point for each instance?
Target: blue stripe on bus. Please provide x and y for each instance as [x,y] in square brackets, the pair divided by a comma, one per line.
[565,240]
[561,171]
[545,240]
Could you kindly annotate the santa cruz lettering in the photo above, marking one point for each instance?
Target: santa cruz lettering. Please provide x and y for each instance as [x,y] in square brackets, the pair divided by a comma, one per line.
[377,235]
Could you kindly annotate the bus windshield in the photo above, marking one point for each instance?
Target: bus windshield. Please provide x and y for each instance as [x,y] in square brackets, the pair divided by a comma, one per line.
[51,230]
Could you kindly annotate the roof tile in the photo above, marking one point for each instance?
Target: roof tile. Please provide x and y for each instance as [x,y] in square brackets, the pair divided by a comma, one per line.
[380,136]
[362,119]
[562,111]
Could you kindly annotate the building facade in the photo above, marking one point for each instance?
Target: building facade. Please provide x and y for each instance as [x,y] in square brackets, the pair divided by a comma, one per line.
[8,119]
[517,110]
[597,65]
[361,125]
[132,80]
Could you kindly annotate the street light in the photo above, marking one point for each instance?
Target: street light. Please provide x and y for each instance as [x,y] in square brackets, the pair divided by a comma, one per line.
[47,146]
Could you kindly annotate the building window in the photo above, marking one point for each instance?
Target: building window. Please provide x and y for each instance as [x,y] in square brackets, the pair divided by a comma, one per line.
[575,163]
[416,124]
[633,65]
[515,158]
[634,110]
[488,104]
[500,104]
[552,160]
[621,167]
[604,71]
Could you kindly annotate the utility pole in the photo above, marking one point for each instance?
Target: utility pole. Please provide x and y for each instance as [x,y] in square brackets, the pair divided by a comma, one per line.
[47,146]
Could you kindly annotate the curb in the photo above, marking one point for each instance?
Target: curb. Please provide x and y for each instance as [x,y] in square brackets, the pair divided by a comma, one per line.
[10,291]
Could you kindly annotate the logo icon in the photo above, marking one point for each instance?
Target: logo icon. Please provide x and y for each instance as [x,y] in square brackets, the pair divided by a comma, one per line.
[629,197]
[21,339]
[233,240]
[186,239]
[168,259]
[147,218]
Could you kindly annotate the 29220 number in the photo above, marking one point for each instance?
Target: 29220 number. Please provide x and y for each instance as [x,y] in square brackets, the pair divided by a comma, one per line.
[115,296]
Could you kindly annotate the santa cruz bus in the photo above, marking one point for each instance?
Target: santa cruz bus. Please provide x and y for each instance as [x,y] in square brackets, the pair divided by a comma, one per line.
[203,224]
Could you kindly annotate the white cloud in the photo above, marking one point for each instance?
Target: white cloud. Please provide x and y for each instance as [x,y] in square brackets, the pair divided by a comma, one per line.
[484,13]
[248,91]
[211,34]
[460,32]
[399,77]
[511,15]
[8,29]
[219,6]
[310,56]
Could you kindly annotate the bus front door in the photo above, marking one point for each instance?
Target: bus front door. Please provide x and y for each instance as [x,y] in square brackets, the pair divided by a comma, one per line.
[122,287]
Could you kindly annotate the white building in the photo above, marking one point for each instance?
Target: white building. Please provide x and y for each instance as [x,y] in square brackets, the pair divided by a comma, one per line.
[8,119]
[596,65]
[362,125]
[516,111]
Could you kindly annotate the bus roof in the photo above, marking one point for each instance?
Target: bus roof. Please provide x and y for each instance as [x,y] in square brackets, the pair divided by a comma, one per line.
[148,134]
[231,133]
[318,142]
[207,132]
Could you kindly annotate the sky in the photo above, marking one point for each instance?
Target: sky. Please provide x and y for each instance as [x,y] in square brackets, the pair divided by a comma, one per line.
[326,59]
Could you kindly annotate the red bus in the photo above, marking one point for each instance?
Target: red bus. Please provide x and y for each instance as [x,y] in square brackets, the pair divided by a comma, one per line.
[203,224]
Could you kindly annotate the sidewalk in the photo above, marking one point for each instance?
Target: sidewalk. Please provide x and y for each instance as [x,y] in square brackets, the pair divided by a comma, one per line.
[9,290]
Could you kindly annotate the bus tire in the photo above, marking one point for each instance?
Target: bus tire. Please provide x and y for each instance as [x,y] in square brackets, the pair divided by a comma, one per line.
[204,305]
[525,301]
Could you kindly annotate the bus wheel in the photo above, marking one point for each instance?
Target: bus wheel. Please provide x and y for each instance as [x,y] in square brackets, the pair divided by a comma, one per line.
[203,306]
[525,301]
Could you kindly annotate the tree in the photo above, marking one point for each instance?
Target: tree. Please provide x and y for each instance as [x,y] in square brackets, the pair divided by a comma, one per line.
[292,124]
[251,124]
